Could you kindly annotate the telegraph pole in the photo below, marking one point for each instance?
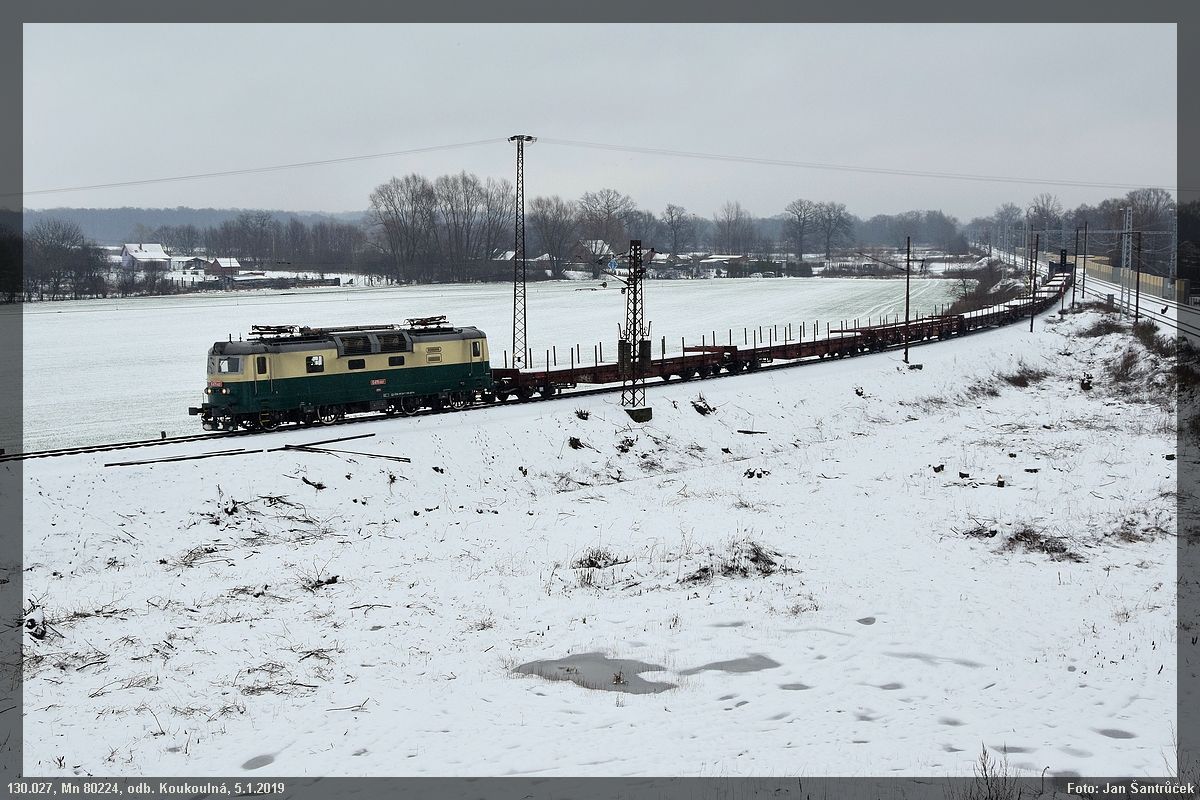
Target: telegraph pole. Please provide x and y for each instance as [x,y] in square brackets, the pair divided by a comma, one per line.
[519,262]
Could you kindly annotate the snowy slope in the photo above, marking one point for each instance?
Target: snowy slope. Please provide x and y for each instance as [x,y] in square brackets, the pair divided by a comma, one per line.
[194,626]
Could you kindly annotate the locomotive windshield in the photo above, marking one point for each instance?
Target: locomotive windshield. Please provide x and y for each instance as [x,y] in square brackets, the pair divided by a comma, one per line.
[229,364]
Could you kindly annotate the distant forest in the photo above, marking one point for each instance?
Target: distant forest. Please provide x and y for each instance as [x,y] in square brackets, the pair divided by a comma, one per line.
[114,226]
[460,228]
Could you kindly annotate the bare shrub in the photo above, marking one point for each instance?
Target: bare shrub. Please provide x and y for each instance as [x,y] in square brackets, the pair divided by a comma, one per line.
[745,557]
[597,558]
[994,780]
[1031,540]
[1103,327]
[1025,376]
[1147,333]
[1122,369]
[701,405]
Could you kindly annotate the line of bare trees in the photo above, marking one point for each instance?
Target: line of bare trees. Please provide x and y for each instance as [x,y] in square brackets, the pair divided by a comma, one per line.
[60,263]
[259,238]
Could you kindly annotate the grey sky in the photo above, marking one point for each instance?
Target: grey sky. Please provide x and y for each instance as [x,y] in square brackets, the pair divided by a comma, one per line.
[108,103]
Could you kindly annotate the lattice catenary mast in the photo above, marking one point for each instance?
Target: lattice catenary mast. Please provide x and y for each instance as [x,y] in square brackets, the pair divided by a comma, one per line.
[633,351]
[519,262]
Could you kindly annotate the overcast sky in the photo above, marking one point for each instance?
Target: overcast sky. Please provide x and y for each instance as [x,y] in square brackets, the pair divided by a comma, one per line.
[111,103]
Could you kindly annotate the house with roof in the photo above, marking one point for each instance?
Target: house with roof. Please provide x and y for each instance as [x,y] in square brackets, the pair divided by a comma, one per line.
[222,266]
[187,263]
[592,252]
[143,256]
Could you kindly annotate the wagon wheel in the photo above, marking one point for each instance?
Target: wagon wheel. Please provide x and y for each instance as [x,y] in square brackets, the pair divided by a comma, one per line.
[685,375]
[327,415]
[524,393]
[459,400]
[409,406]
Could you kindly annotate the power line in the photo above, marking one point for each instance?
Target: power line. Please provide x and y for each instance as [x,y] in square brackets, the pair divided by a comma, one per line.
[777,162]
[252,170]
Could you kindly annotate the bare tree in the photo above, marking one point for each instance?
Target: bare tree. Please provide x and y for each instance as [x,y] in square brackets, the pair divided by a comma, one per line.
[800,219]
[401,214]
[54,251]
[680,227]
[1045,212]
[644,226]
[555,224]
[460,200]
[834,224]
[604,215]
[499,212]
[1152,208]
[733,229]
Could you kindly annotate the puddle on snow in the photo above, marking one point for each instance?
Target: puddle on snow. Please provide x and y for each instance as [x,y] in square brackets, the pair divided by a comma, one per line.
[751,663]
[1116,733]
[866,621]
[598,671]
[795,687]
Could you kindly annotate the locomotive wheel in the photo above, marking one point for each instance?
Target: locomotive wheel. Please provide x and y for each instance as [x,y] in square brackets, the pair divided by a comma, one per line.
[269,422]
[409,406]
[248,423]
[327,415]
[458,400]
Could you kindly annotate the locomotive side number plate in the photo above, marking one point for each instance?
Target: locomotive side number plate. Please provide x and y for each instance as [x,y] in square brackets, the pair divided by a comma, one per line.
[379,382]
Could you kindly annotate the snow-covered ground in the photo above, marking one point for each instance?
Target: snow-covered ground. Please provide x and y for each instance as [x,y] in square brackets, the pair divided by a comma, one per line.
[119,370]
[818,569]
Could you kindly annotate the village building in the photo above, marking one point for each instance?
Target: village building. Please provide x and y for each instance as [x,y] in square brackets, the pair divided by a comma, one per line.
[145,256]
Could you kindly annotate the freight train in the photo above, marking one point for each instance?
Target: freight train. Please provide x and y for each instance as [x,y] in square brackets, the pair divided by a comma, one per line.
[300,375]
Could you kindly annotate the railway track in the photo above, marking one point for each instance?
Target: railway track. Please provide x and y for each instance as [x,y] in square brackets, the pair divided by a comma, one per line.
[570,393]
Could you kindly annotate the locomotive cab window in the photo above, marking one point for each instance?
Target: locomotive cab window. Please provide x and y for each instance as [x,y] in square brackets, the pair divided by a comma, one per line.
[314,364]
[229,365]
[261,365]
[476,350]
[357,363]
[395,361]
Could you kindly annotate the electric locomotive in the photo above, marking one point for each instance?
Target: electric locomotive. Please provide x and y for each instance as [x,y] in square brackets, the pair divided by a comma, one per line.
[291,374]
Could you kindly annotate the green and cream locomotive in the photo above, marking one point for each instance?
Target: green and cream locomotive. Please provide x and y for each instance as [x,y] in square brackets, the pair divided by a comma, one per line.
[289,374]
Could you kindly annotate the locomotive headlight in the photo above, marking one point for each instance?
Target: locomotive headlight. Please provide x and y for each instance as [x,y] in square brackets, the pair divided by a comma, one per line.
[225,390]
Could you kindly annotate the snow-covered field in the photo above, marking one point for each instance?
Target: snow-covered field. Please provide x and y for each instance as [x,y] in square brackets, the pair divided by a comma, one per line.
[119,370]
[819,574]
